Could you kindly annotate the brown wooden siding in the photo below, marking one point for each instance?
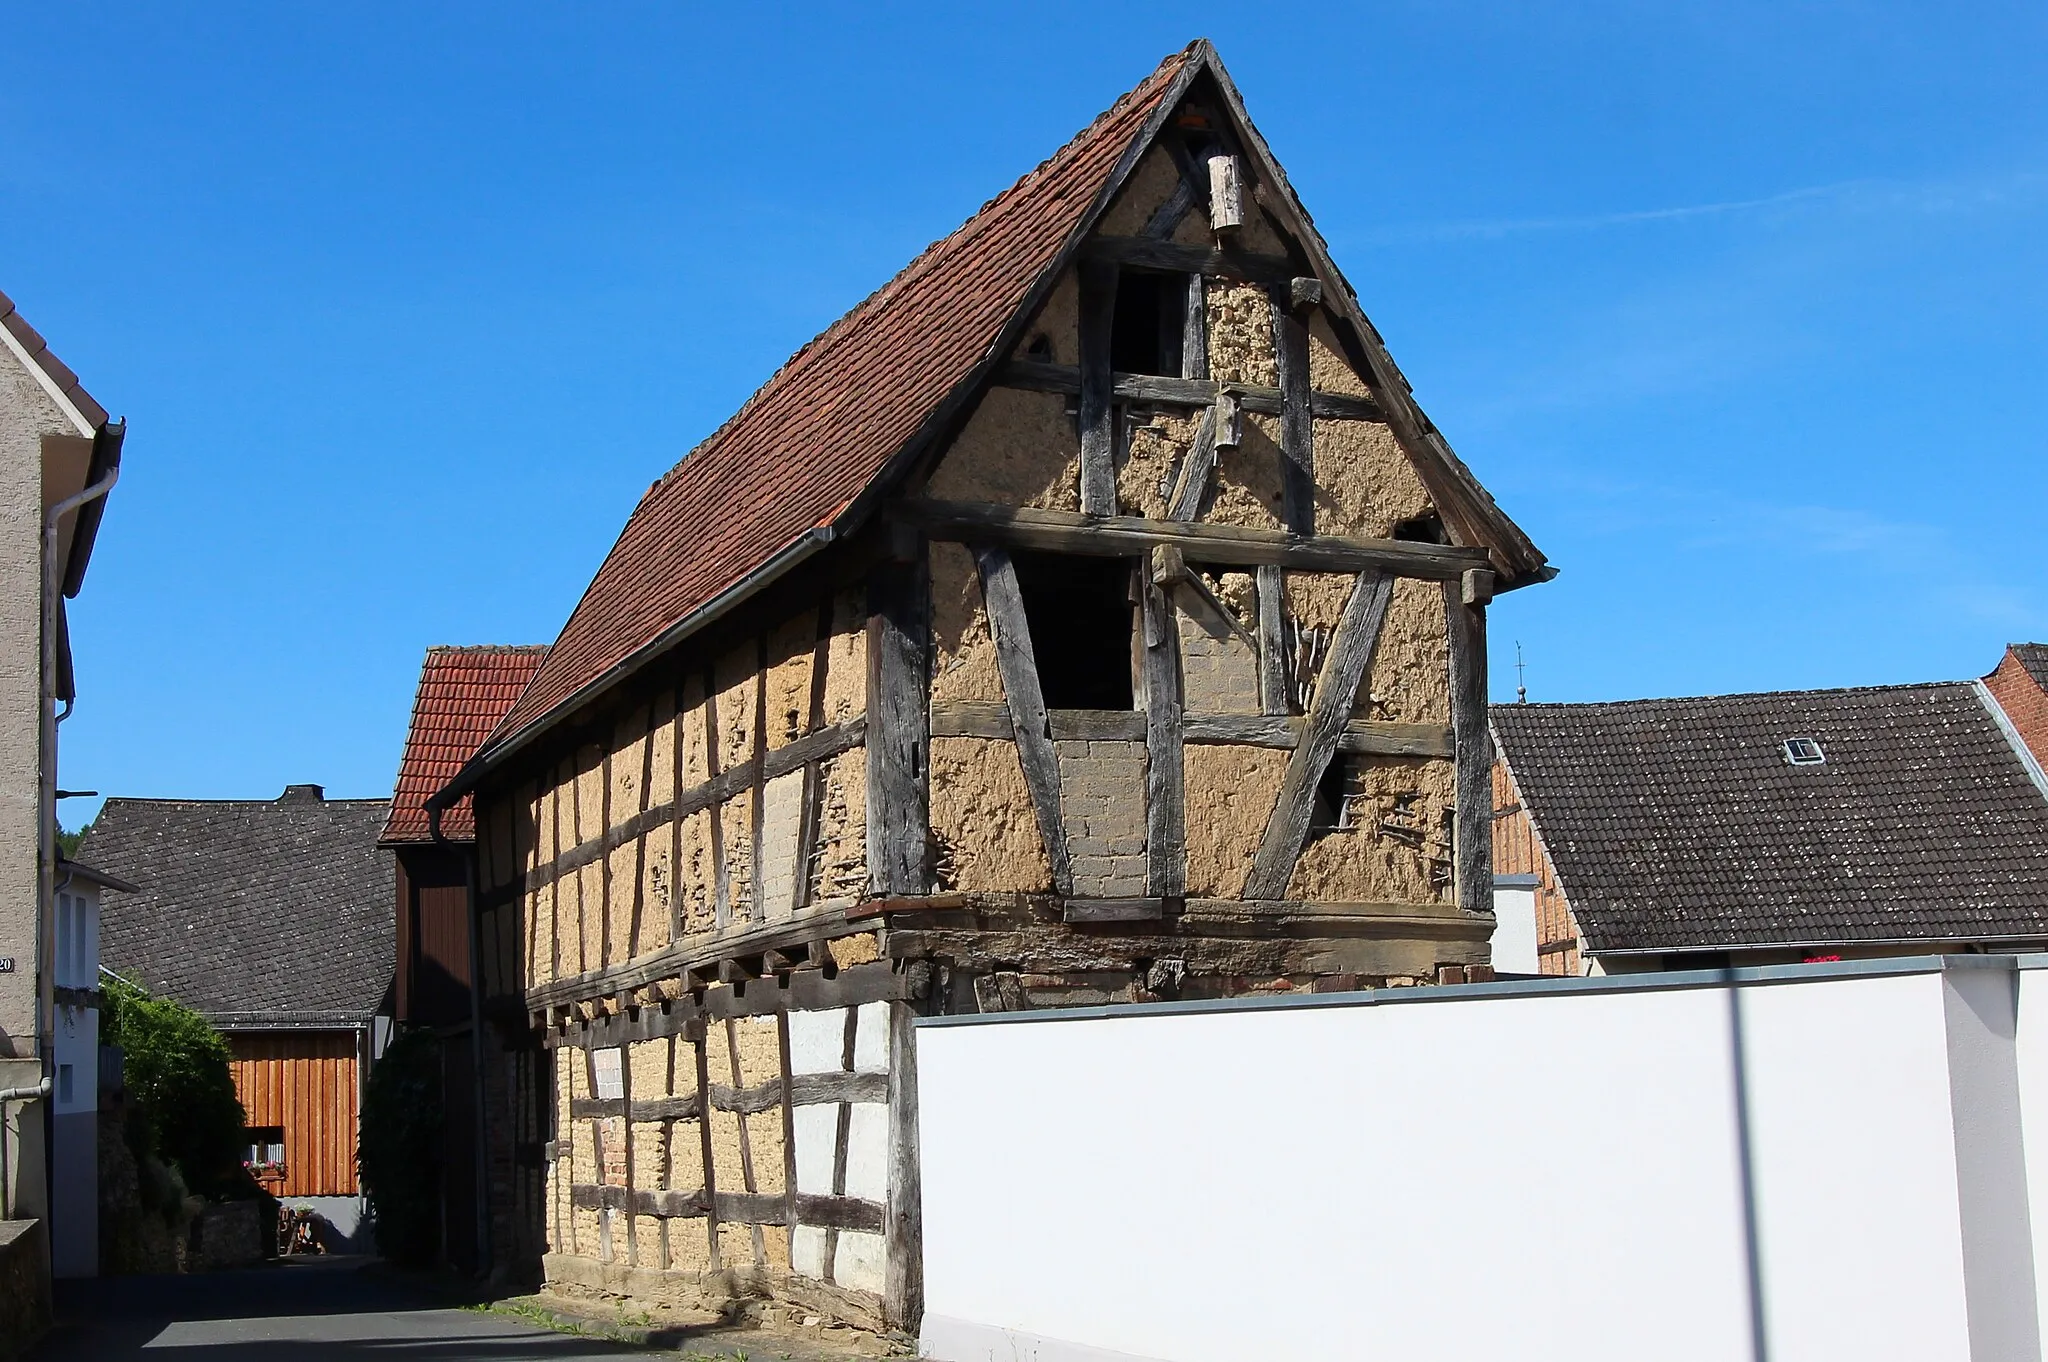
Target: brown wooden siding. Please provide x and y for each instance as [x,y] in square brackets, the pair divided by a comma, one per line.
[1518,850]
[306,1084]
[433,937]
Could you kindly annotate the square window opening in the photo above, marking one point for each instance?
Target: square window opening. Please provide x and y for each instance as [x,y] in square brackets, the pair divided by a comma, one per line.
[1145,326]
[265,1145]
[1079,613]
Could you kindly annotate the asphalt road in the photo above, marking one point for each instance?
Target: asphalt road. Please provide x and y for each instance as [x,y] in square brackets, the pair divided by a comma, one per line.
[319,1310]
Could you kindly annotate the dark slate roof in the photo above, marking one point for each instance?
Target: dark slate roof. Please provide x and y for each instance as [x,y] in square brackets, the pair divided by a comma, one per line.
[1679,824]
[2034,657]
[252,911]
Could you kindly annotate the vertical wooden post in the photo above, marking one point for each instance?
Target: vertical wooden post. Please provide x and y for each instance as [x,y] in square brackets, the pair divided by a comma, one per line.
[626,1127]
[1297,424]
[675,843]
[700,1041]
[1098,454]
[1194,330]
[757,799]
[1226,193]
[810,809]
[1273,688]
[1166,871]
[721,880]
[903,1227]
[899,724]
[1465,621]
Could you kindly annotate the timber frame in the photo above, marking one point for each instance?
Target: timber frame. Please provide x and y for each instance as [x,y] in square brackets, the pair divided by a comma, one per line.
[727,863]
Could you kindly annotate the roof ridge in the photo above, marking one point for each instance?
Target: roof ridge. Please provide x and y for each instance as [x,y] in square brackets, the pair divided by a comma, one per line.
[886,292]
[487,647]
[1721,695]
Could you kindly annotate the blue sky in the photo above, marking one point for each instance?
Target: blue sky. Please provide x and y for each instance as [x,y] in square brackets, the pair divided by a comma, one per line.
[1740,309]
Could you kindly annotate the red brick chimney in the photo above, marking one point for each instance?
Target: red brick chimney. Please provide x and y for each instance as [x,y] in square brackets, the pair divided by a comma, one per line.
[2020,686]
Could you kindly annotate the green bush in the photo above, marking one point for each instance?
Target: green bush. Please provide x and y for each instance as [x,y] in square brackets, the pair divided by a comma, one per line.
[180,1089]
[399,1150]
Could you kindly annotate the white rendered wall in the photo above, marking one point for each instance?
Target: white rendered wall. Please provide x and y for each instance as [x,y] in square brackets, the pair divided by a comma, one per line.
[1514,928]
[1538,1172]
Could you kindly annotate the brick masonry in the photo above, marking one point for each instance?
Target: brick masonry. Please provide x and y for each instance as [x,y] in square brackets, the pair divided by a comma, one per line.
[1102,801]
[2023,697]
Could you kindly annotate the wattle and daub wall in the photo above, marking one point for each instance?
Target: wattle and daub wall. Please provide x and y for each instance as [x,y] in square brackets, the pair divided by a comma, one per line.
[725,896]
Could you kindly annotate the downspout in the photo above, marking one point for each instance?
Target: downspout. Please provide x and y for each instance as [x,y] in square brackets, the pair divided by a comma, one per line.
[482,1159]
[46,775]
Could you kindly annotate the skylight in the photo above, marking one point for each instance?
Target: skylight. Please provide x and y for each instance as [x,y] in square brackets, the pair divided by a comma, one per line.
[1803,752]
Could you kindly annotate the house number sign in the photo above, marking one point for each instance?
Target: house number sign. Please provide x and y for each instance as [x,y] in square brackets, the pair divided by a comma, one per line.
[6,964]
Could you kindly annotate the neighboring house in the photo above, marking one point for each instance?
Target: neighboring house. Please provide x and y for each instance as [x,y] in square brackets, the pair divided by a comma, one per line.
[1089,615]
[59,457]
[273,919]
[463,693]
[2019,686]
[1766,829]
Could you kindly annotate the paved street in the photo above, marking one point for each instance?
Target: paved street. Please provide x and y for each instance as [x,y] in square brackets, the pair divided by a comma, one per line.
[317,1310]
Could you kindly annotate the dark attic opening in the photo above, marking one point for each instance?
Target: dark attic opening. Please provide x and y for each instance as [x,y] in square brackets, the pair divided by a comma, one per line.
[1145,327]
[1331,809]
[1079,613]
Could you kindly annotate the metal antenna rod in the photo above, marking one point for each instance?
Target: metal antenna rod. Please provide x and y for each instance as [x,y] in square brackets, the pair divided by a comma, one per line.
[1521,681]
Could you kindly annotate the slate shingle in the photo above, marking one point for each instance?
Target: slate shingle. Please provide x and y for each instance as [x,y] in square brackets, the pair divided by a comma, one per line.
[1679,824]
[252,910]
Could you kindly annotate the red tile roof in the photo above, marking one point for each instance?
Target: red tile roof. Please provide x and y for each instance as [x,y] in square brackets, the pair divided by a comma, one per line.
[817,434]
[60,372]
[463,694]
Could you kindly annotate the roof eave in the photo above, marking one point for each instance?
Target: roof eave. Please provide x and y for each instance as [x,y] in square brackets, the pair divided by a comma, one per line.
[494,755]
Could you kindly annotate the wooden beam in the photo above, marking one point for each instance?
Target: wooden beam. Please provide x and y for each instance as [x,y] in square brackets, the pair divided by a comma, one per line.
[1133,536]
[1222,262]
[757,795]
[1226,193]
[740,1208]
[1191,483]
[1011,631]
[1297,427]
[1350,657]
[1229,420]
[1034,375]
[1166,868]
[1472,828]
[721,875]
[1376,738]
[1271,629]
[986,719]
[903,1227]
[812,796]
[1304,291]
[1098,418]
[1194,330]
[1113,910]
[898,812]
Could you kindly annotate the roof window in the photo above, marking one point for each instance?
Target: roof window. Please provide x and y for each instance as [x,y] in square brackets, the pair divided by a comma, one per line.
[1803,752]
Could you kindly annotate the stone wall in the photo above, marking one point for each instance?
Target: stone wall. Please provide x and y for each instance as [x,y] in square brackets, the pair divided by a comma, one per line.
[24,1285]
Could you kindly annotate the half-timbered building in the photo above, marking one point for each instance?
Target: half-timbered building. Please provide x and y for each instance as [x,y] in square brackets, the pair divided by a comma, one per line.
[1091,614]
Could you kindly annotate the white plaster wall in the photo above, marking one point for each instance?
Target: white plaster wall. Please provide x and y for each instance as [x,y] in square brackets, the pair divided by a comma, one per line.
[1550,1173]
[817,1044]
[2031,1037]
[1514,929]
